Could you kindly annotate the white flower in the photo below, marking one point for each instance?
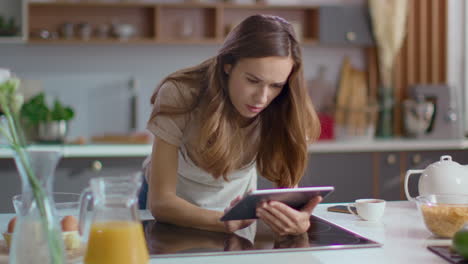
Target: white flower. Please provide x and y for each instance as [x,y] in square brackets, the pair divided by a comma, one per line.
[5,74]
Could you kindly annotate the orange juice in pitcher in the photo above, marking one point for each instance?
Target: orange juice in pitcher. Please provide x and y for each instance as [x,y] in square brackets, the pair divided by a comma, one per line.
[116,233]
[116,242]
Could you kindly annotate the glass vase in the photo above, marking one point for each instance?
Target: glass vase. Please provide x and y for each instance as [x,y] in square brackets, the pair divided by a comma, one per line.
[37,234]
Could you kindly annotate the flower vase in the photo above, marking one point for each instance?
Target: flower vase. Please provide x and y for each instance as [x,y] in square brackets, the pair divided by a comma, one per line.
[37,236]
[385,120]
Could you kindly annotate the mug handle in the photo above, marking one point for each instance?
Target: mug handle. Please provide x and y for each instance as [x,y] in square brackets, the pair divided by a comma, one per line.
[85,197]
[350,210]
[408,174]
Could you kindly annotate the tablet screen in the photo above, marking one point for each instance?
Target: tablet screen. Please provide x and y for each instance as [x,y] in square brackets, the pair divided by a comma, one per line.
[294,197]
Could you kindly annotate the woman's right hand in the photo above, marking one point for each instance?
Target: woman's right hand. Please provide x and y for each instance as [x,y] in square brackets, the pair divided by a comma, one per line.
[233,225]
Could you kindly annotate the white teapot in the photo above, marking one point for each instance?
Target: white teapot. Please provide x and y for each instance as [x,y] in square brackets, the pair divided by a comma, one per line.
[441,177]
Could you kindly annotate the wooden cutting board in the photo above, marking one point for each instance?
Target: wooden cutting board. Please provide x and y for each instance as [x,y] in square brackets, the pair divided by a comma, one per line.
[343,92]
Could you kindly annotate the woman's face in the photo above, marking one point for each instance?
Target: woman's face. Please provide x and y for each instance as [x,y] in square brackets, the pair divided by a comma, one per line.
[253,83]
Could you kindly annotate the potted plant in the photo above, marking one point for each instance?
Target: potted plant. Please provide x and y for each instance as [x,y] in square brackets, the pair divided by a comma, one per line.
[50,124]
[8,27]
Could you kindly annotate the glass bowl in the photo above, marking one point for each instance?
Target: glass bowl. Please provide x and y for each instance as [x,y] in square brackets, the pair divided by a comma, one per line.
[65,203]
[443,214]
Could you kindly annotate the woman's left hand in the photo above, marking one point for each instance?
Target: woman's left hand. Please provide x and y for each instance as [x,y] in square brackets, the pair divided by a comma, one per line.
[285,220]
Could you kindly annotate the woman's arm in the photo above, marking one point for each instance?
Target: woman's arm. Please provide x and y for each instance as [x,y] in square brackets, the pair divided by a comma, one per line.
[167,207]
[163,201]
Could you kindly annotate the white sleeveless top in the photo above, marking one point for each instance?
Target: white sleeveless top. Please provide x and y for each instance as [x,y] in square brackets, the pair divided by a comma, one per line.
[202,189]
[194,184]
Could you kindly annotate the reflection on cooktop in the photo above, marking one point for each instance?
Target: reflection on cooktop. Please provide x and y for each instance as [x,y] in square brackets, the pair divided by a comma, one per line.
[165,240]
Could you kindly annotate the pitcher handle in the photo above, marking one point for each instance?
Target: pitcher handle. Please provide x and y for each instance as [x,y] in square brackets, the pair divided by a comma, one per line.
[85,197]
[408,174]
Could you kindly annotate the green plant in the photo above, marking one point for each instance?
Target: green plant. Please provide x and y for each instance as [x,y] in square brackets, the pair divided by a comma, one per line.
[36,111]
[8,27]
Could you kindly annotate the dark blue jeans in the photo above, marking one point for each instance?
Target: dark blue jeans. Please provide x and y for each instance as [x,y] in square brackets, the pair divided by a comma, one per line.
[143,195]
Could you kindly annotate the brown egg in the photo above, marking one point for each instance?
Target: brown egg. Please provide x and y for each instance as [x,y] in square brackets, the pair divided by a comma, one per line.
[11,225]
[69,223]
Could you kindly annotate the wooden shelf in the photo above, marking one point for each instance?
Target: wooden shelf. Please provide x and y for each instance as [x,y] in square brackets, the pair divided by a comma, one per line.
[190,41]
[92,41]
[303,18]
[160,23]
[92,4]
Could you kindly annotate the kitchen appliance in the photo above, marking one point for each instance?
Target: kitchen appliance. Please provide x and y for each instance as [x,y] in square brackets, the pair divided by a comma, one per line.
[444,122]
[418,115]
[442,177]
[165,240]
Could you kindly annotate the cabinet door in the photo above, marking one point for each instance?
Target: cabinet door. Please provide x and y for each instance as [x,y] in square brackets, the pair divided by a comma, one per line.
[345,25]
[73,175]
[350,173]
[10,184]
[389,174]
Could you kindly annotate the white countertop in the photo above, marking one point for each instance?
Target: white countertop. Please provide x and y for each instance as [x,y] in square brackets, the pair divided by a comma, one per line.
[109,150]
[402,233]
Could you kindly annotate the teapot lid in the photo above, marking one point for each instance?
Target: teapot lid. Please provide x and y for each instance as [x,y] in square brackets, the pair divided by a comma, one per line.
[445,161]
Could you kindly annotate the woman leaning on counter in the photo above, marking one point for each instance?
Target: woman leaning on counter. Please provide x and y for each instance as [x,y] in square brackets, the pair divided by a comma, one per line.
[217,124]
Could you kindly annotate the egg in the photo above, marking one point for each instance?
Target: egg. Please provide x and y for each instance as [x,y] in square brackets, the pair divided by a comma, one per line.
[69,223]
[11,225]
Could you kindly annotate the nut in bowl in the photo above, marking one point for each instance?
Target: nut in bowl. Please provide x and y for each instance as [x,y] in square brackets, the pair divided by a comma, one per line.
[443,214]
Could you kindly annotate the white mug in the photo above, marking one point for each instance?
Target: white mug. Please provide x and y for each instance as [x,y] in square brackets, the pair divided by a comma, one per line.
[368,209]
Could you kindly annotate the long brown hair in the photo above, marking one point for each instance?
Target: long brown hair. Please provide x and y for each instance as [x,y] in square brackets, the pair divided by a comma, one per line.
[288,124]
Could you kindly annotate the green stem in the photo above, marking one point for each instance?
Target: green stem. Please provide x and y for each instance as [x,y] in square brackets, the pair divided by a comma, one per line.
[45,211]
[11,125]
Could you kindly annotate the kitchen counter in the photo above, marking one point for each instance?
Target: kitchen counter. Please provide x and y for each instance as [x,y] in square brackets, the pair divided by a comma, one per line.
[402,233]
[110,150]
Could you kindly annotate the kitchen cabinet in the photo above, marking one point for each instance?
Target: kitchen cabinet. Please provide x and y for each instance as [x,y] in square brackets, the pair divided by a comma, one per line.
[377,174]
[72,175]
[340,25]
[350,174]
[392,168]
[180,23]
[388,175]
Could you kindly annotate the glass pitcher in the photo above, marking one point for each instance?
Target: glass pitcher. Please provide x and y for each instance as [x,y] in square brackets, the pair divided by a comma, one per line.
[115,232]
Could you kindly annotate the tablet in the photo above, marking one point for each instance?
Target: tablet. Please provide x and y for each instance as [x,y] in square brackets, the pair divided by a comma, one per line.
[294,197]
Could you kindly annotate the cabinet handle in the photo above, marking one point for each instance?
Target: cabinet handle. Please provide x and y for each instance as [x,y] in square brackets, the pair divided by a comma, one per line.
[96,166]
[351,36]
[416,159]
[391,159]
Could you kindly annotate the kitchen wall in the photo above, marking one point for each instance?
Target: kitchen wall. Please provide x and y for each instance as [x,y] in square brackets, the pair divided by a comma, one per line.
[94,78]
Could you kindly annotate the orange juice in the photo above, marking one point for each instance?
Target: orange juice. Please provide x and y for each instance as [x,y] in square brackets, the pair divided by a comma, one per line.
[116,242]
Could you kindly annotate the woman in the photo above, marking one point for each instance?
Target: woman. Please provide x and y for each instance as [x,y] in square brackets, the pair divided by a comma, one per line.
[217,124]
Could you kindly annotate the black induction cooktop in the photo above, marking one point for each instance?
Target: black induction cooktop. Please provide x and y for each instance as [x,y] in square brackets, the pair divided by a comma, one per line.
[166,240]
